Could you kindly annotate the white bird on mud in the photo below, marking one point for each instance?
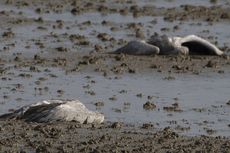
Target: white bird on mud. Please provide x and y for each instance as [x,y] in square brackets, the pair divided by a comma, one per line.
[164,45]
[56,110]
[138,48]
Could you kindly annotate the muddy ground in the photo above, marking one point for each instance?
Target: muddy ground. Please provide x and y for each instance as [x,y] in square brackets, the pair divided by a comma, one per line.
[61,49]
[72,137]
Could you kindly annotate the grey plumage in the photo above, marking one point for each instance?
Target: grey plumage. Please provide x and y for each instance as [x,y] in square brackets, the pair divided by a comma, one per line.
[138,48]
[56,110]
[197,45]
[164,45]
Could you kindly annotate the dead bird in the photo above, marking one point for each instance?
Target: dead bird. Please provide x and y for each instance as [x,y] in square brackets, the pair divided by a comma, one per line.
[56,110]
[164,45]
[138,48]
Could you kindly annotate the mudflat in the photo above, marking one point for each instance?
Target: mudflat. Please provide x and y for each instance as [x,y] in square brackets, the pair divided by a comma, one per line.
[72,137]
[62,50]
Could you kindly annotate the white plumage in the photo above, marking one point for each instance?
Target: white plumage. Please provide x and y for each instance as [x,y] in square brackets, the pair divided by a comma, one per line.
[56,110]
[164,45]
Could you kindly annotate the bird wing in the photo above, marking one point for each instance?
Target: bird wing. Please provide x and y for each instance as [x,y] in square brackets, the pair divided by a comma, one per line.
[199,45]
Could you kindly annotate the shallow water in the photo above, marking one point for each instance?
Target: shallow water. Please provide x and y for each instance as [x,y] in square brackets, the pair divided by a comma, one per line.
[201,98]
[28,34]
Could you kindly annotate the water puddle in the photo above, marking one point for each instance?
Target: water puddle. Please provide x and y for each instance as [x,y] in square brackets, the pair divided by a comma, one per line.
[45,33]
[201,99]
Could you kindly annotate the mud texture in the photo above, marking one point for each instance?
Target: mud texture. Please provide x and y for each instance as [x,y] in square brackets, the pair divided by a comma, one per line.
[77,37]
[72,137]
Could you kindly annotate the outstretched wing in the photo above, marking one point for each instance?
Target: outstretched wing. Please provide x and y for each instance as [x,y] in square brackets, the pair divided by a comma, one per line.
[200,46]
[39,113]
[31,113]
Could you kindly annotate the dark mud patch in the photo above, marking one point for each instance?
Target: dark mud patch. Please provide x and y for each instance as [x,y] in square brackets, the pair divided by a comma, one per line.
[71,137]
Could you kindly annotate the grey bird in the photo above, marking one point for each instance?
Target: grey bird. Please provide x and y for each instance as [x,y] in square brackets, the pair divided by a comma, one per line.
[165,45]
[56,110]
[138,48]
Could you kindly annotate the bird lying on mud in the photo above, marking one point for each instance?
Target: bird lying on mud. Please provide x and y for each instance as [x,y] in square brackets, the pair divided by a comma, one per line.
[164,45]
[56,110]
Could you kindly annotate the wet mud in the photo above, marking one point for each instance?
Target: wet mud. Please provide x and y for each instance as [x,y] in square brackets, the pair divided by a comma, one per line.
[62,50]
[72,137]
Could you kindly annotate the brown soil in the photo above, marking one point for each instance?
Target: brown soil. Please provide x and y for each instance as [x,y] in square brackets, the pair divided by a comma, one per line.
[94,56]
[19,136]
